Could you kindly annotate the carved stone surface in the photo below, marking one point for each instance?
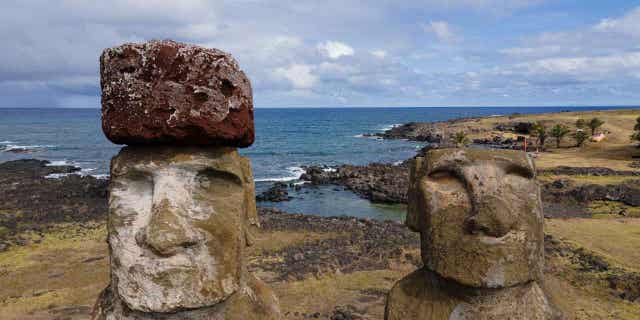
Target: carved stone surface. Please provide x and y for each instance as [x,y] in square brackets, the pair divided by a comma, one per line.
[425,295]
[179,220]
[479,214]
[173,93]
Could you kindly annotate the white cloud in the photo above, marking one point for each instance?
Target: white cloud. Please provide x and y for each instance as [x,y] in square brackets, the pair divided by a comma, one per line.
[593,67]
[299,75]
[379,54]
[335,49]
[627,24]
[442,30]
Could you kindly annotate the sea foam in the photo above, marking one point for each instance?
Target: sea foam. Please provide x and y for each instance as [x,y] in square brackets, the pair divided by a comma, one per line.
[295,173]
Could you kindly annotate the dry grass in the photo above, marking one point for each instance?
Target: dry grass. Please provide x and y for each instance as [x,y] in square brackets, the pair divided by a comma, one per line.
[614,152]
[616,239]
[587,299]
[585,295]
[67,268]
[585,179]
[323,294]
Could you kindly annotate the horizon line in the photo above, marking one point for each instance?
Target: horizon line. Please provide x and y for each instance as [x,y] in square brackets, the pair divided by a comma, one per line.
[387,107]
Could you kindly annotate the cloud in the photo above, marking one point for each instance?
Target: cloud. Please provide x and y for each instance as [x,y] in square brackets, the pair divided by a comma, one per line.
[300,75]
[335,49]
[379,53]
[442,30]
[335,52]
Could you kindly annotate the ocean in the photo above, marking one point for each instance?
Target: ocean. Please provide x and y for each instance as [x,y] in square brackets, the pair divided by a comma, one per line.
[286,140]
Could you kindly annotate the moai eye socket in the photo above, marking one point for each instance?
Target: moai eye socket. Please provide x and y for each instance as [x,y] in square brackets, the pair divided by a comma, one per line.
[210,177]
[517,170]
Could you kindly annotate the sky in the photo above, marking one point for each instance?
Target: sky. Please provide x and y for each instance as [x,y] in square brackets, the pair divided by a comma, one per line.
[333,53]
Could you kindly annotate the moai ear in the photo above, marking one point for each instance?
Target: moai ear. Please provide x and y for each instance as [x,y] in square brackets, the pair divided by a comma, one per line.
[251,213]
[415,209]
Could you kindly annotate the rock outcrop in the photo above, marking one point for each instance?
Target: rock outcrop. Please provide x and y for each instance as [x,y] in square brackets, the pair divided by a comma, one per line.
[378,182]
[479,215]
[180,213]
[168,92]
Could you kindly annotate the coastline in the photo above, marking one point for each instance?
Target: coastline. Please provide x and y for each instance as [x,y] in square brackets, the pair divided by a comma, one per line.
[59,225]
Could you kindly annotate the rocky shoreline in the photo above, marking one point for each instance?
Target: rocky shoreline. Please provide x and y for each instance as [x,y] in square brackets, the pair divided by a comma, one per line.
[500,136]
[33,202]
[354,245]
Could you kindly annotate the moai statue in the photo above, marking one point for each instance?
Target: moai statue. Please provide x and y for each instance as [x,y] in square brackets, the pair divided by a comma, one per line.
[181,198]
[479,215]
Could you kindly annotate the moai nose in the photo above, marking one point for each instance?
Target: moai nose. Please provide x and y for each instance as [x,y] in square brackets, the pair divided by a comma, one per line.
[491,216]
[166,234]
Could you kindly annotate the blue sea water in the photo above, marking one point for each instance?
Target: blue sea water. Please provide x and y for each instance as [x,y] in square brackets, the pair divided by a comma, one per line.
[286,139]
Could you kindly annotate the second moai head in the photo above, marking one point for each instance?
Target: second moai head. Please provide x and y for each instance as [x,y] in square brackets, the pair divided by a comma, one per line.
[179,220]
[479,214]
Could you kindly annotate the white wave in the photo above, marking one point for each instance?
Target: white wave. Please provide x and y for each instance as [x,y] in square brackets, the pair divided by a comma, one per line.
[6,142]
[390,126]
[296,172]
[56,163]
[359,136]
[81,172]
[27,148]
[329,169]
[57,175]
[397,163]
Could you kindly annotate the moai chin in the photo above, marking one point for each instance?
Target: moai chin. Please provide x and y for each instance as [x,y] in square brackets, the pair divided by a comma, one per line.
[181,210]
[479,215]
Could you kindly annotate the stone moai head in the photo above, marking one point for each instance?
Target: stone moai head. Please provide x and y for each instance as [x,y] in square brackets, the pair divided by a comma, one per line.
[479,214]
[179,220]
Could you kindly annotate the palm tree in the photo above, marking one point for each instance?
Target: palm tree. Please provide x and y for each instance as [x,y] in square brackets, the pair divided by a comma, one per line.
[581,124]
[580,137]
[540,132]
[559,131]
[594,124]
[460,139]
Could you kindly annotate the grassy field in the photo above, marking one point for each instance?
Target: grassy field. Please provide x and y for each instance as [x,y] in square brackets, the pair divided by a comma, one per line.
[615,151]
[62,273]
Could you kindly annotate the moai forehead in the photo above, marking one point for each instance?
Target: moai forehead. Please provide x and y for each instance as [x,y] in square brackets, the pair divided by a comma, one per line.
[165,92]
[179,219]
[479,214]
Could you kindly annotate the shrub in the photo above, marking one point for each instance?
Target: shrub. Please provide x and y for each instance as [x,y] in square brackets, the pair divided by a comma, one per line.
[580,137]
[460,139]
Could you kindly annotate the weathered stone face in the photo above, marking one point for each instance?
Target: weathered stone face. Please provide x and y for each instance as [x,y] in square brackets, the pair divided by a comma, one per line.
[164,92]
[480,216]
[178,220]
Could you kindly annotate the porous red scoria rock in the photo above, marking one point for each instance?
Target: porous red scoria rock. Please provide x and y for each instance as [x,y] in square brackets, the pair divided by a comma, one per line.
[165,92]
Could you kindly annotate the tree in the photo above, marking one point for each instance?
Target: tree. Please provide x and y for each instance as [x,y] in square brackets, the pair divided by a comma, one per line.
[540,132]
[580,137]
[636,135]
[581,124]
[460,139]
[559,131]
[594,124]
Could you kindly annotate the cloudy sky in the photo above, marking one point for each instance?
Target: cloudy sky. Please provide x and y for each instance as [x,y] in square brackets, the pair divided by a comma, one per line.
[303,53]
